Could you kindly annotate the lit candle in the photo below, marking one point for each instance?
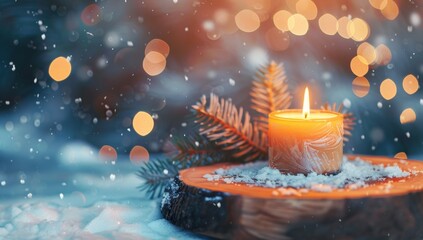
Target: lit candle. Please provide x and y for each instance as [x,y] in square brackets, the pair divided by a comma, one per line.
[304,141]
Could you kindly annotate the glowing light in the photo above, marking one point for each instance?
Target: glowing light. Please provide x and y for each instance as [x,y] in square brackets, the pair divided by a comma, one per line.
[358,29]
[277,40]
[306,104]
[328,24]
[298,24]
[247,20]
[388,89]
[154,63]
[139,155]
[307,8]
[343,29]
[408,116]
[143,123]
[390,11]
[157,45]
[359,66]
[221,16]
[378,4]
[360,86]
[383,54]
[401,155]
[410,84]
[280,19]
[91,14]
[60,69]
[107,153]
[367,51]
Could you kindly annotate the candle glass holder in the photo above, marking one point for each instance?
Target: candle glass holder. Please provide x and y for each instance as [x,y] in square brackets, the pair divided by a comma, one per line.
[305,145]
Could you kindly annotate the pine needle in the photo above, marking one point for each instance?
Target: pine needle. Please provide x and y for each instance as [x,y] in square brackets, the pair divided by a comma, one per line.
[349,119]
[269,92]
[230,128]
[156,173]
[194,149]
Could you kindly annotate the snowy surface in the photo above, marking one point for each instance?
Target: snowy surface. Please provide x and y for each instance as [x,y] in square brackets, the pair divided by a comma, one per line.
[80,201]
[353,174]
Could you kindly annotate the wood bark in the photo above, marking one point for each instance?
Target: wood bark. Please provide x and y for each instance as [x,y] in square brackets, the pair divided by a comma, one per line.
[390,209]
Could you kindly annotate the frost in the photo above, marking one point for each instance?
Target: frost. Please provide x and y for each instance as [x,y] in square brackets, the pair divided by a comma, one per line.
[231,82]
[9,126]
[415,19]
[112,177]
[13,67]
[346,103]
[353,174]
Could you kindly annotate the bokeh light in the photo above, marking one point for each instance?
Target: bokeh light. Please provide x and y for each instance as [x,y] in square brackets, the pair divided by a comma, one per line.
[307,8]
[60,69]
[410,84]
[247,20]
[280,19]
[378,4]
[388,89]
[359,66]
[367,52]
[276,39]
[328,24]
[343,31]
[154,63]
[143,123]
[390,10]
[360,86]
[408,116]
[91,14]
[157,45]
[139,155]
[401,155]
[383,55]
[107,153]
[298,24]
[358,29]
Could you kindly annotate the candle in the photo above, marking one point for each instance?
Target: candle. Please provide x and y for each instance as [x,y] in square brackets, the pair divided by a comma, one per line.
[304,141]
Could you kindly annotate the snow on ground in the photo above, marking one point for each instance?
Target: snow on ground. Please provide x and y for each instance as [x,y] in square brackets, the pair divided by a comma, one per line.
[69,202]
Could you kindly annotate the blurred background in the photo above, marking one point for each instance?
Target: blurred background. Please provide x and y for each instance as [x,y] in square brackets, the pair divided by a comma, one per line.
[74,74]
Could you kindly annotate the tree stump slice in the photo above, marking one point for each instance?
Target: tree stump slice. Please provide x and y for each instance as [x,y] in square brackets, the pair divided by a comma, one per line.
[390,209]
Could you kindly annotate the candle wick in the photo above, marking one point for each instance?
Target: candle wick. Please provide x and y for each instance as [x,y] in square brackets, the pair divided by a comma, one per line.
[305,114]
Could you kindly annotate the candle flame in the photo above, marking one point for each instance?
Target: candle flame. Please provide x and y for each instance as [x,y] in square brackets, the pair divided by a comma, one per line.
[306,104]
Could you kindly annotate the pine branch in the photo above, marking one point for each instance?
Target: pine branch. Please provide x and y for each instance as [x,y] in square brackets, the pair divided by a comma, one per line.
[349,119]
[230,128]
[269,92]
[156,173]
[194,149]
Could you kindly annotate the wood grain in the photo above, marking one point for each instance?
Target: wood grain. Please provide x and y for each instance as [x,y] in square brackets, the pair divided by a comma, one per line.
[391,209]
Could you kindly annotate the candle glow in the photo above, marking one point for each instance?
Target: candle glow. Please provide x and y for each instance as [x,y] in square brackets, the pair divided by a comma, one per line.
[306,104]
[304,140]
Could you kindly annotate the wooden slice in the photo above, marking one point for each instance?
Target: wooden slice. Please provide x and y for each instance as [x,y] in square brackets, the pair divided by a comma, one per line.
[391,209]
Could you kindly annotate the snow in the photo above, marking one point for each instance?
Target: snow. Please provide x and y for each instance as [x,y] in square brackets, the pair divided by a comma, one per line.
[78,200]
[353,174]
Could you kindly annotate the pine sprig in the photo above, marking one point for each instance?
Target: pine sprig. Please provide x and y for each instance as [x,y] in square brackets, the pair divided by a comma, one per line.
[349,119]
[194,149]
[156,175]
[269,92]
[230,128]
